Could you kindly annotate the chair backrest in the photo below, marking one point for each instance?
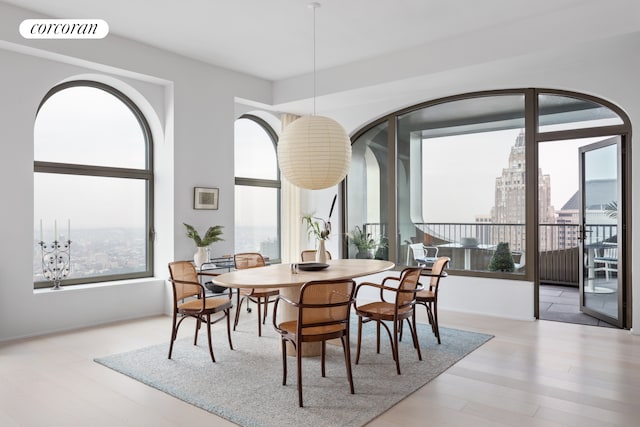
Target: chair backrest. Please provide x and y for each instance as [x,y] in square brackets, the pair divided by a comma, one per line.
[325,302]
[409,279]
[248,260]
[430,251]
[184,271]
[415,250]
[438,268]
[611,252]
[310,255]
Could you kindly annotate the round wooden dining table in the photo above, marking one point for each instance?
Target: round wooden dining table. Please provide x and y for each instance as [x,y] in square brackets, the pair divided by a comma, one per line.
[289,282]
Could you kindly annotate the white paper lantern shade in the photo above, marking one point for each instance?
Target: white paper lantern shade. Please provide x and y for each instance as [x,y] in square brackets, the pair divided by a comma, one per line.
[314,152]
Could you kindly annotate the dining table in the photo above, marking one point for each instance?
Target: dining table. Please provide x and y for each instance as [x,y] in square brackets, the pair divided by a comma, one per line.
[289,279]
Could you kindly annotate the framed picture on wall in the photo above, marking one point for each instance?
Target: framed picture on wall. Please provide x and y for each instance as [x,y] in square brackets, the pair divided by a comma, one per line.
[205,198]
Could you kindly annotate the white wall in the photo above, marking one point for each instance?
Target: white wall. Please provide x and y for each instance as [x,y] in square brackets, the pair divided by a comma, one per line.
[191,109]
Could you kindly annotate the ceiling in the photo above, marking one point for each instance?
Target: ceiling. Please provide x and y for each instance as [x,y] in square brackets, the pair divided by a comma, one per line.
[273,39]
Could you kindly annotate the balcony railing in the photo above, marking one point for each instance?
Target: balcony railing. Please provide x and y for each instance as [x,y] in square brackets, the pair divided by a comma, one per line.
[471,245]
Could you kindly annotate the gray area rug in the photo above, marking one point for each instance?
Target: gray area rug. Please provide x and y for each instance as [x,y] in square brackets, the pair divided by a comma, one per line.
[245,385]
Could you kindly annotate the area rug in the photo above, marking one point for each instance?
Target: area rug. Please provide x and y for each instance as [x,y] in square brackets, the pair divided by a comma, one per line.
[245,387]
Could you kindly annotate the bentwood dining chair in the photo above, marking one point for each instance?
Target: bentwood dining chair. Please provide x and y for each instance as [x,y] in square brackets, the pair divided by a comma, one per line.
[261,297]
[309,255]
[400,306]
[429,296]
[323,312]
[189,300]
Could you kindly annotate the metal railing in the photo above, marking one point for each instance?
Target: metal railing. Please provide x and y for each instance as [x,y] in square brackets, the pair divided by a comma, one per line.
[558,245]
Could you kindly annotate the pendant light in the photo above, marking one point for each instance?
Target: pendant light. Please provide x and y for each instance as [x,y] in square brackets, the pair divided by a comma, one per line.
[314,152]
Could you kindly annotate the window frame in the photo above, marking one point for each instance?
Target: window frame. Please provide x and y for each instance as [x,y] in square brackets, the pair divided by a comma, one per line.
[266,183]
[109,172]
[532,137]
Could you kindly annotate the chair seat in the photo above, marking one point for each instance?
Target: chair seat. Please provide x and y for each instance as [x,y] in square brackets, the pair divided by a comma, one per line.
[382,310]
[292,327]
[260,293]
[426,296]
[211,304]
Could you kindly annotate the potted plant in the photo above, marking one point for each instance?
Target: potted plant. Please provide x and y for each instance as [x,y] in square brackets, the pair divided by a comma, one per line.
[502,259]
[212,235]
[383,249]
[363,242]
[319,229]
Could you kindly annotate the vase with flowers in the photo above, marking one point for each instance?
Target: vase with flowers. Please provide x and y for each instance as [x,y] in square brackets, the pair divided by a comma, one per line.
[212,235]
[320,229]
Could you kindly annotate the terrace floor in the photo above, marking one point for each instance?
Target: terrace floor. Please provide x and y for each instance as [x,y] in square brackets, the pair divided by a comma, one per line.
[562,304]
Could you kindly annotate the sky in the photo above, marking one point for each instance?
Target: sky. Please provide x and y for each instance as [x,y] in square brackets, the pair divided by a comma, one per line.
[472,163]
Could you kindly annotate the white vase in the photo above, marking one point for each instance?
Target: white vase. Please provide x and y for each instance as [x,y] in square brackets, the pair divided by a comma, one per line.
[200,257]
[321,253]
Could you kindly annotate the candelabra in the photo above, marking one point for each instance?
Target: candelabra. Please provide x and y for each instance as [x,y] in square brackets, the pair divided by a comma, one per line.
[56,261]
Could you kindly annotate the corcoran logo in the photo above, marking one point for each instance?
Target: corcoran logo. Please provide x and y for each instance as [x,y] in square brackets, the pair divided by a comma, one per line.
[64,29]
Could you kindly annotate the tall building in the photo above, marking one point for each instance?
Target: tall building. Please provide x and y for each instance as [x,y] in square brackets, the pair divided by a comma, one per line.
[602,192]
[510,201]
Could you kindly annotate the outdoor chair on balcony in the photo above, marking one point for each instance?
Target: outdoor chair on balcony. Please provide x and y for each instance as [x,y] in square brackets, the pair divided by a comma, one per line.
[421,255]
[519,260]
[608,262]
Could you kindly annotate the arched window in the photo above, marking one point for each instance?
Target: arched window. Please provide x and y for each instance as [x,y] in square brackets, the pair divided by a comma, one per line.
[257,189]
[93,183]
[464,174]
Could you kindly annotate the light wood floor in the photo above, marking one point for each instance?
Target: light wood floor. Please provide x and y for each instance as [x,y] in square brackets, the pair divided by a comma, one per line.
[531,374]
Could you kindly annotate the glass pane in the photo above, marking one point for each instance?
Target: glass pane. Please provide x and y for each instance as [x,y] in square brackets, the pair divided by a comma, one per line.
[367,191]
[600,210]
[255,154]
[558,112]
[461,182]
[559,181]
[89,126]
[103,217]
[256,221]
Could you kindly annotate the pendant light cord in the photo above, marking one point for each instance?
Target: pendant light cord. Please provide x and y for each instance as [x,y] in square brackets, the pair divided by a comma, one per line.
[314,6]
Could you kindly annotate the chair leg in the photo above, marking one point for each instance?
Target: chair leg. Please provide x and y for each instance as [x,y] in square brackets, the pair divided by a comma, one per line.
[228,314]
[213,359]
[359,338]
[347,359]
[394,346]
[174,333]
[414,334]
[266,309]
[378,336]
[195,336]
[299,370]
[435,317]
[322,357]
[259,316]
[284,361]
[238,306]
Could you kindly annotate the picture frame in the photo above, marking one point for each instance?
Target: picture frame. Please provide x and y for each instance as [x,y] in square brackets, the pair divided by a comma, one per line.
[205,198]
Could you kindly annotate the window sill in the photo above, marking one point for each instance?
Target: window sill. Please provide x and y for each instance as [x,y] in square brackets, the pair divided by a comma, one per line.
[86,286]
